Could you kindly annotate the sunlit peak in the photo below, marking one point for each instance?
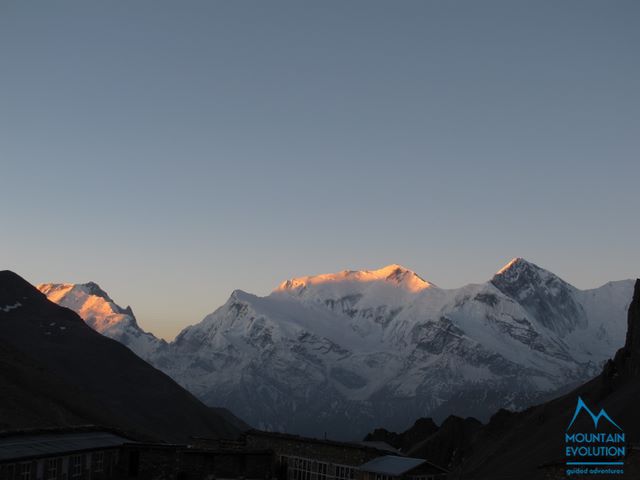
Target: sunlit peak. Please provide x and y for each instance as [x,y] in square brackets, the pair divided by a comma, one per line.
[394,273]
[516,262]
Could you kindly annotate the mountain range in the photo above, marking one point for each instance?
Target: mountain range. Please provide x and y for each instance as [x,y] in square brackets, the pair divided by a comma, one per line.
[58,372]
[531,444]
[338,354]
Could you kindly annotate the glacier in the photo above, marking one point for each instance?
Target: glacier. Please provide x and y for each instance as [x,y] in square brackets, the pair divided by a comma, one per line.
[339,354]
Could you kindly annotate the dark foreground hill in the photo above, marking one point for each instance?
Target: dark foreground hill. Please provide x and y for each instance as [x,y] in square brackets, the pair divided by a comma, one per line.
[530,444]
[516,445]
[55,371]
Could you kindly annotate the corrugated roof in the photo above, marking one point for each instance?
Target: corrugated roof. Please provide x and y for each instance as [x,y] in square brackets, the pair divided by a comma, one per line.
[35,445]
[391,465]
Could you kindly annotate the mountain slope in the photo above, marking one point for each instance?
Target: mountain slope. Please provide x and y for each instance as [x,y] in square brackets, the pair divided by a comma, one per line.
[516,445]
[58,371]
[102,314]
[345,352]
[341,353]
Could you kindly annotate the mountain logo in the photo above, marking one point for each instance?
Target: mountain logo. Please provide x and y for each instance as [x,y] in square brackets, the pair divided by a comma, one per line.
[593,452]
[580,406]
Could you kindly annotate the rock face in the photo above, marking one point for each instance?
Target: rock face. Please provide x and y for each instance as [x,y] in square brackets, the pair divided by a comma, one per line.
[56,371]
[346,352]
[450,444]
[544,296]
[626,363]
[421,429]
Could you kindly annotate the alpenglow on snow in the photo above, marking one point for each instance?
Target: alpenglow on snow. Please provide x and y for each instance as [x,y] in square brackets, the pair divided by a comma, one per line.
[346,352]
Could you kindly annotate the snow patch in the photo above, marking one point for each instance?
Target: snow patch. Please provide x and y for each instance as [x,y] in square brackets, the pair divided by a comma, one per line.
[8,308]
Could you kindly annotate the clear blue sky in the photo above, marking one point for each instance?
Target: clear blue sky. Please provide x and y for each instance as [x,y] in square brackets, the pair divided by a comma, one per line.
[175,151]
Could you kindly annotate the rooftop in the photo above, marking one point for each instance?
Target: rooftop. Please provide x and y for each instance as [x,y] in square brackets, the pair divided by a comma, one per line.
[394,465]
[381,447]
[14,447]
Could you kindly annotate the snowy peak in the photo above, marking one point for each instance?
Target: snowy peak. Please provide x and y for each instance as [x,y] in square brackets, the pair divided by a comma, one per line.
[519,269]
[519,276]
[404,277]
[340,351]
[94,289]
[102,314]
[548,298]
[393,274]
[90,302]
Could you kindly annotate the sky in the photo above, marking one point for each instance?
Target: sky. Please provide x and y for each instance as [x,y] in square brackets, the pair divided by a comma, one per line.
[173,152]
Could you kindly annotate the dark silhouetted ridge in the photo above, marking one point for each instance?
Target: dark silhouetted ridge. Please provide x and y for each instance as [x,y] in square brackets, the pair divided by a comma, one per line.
[57,372]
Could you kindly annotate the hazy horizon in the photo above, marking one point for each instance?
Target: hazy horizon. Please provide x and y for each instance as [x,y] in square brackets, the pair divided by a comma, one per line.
[173,152]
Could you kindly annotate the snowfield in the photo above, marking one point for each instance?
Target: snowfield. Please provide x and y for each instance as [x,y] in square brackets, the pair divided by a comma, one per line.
[344,353]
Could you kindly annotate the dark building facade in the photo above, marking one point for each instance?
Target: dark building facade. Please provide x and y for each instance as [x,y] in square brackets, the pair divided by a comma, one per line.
[257,455]
[303,458]
[181,462]
[60,455]
[393,467]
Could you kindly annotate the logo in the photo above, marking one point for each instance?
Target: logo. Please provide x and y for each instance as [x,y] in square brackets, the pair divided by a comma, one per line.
[596,418]
[593,452]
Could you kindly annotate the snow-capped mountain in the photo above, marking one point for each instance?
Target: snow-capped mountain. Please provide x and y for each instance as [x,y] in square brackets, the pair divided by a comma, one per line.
[338,353]
[102,314]
[343,353]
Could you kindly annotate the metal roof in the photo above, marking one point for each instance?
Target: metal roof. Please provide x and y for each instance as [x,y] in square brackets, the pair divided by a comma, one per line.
[15,447]
[391,465]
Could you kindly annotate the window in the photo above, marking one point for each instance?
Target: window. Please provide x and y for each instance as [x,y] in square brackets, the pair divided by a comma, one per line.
[25,471]
[52,469]
[134,463]
[98,461]
[8,471]
[322,470]
[301,468]
[344,472]
[108,461]
[76,466]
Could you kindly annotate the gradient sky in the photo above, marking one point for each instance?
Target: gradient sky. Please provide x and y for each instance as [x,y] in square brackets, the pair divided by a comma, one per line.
[175,151]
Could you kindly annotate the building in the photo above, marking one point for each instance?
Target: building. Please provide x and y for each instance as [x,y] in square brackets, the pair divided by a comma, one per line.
[90,453]
[151,461]
[60,455]
[304,458]
[96,454]
[393,467]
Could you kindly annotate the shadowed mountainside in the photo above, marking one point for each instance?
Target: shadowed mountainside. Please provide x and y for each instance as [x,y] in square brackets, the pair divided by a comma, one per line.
[517,445]
[56,372]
